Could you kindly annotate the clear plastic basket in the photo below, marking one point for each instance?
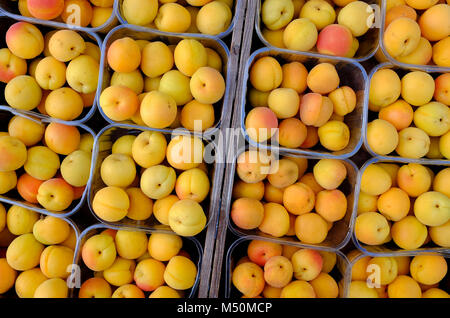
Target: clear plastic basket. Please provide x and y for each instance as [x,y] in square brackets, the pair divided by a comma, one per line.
[338,236]
[239,249]
[369,115]
[348,272]
[221,108]
[13,197]
[237,5]
[11,294]
[351,74]
[81,272]
[391,249]
[10,9]
[426,68]
[102,149]
[368,43]
[5,23]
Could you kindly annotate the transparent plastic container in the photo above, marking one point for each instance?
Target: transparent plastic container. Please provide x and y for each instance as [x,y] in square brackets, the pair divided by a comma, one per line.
[445,283]
[369,115]
[351,74]
[391,249]
[102,148]
[81,272]
[220,108]
[426,68]
[13,197]
[11,294]
[239,249]
[337,237]
[368,43]
[11,9]
[236,6]
[88,112]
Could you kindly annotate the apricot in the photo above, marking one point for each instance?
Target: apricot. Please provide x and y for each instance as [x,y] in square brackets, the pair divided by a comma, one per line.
[111,204]
[421,55]
[394,204]
[187,218]
[132,80]
[294,76]
[157,59]
[62,139]
[401,37]
[323,78]
[185,152]
[8,181]
[20,220]
[149,148]
[259,252]
[119,102]
[11,65]
[128,291]
[55,261]
[248,278]
[385,88]
[298,289]
[242,189]
[428,269]
[334,135]
[162,207]
[283,173]
[329,173]
[163,247]
[383,178]
[327,41]
[23,92]
[331,205]
[371,228]
[400,114]
[409,233]
[300,35]
[95,288]
[311,228]
[404,287]
[434,22]
[360,289]
[124,55]
[253,166]
[180,273]
[299,199]
[315,110]
[367,203]
[278,271]
[52,288]
[196,116]
[55,195]
[140,12]
[276,220]
[42,163]
[24,252]
[28,281]
[440,57]
[439,236]
[442,89]
[414,179]
[398,11]
[51,230]
[435,293]
[172,17]
[266,74]
[359,267]
[28,131]
[247,213]
[325,286]
[24,40]
[165,292]
[432,208]
[131,244]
